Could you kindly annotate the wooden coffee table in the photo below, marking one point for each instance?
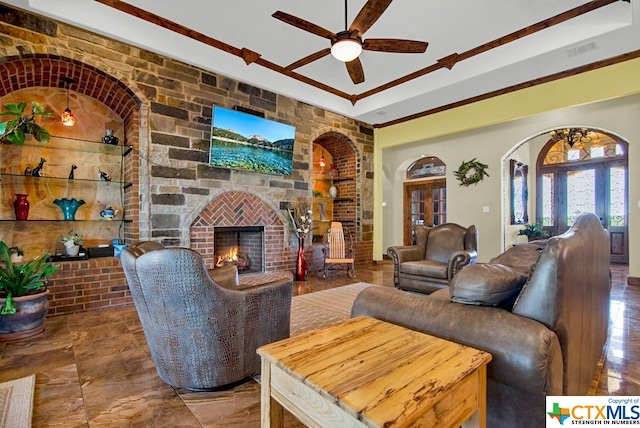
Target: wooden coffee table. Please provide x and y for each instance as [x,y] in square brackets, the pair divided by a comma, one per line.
[366,372]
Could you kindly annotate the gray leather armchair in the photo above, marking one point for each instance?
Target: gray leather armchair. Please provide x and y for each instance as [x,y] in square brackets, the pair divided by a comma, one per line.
[438,254]
[200,334]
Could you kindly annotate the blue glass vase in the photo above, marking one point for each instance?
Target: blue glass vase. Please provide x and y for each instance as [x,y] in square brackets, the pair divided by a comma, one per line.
[69,207]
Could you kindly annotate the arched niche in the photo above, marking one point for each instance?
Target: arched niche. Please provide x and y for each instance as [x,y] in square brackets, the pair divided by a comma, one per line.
[99,102]
[340,170]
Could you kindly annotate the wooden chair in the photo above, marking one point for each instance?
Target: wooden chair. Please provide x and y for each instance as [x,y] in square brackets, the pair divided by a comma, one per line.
[338,250]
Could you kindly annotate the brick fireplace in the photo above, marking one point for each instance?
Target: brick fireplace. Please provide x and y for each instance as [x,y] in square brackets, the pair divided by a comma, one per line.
[231,211]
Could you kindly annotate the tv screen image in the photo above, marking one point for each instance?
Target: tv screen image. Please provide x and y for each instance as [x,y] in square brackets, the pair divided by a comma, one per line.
[247,142]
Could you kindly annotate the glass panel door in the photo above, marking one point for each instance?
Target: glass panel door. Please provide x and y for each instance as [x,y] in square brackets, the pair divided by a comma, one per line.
[425,203]
[617,215]
[581,194]
[548,199]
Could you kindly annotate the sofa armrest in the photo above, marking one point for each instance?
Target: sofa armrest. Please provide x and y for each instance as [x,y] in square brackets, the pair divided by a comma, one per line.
[405,253]
[459,260]
[401,254]
[526,354]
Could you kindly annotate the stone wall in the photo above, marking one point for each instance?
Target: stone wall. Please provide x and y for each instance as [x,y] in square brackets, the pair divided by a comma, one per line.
[175,182]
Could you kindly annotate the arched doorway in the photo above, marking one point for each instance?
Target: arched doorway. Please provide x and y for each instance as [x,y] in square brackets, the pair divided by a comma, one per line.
[584,170]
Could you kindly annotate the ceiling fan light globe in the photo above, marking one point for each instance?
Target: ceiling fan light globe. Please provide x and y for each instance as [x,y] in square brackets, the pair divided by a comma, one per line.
[346,50]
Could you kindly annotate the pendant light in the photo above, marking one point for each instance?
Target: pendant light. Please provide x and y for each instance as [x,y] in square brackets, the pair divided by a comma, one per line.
[68,119]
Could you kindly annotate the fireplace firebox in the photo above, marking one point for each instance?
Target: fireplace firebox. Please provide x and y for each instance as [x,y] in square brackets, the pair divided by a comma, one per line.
[242,246]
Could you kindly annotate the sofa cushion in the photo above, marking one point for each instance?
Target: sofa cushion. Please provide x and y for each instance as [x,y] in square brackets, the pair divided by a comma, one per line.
[487,284]
[425,267]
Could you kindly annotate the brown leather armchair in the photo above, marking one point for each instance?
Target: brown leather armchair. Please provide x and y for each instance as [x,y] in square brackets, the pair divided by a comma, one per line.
[439,253]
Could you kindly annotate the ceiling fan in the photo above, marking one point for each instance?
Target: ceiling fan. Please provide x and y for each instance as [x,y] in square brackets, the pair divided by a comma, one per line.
[346,45]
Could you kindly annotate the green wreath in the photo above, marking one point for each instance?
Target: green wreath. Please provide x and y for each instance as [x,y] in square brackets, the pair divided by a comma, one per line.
[471,172]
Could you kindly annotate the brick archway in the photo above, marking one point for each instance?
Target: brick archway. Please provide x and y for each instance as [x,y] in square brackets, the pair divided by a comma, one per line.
[347,162]
[48,71]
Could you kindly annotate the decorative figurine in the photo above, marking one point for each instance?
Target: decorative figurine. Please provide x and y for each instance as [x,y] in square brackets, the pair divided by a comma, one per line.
[37,171]
[73,168]
[109,138]
[27,170]
[108,213]
[104,175]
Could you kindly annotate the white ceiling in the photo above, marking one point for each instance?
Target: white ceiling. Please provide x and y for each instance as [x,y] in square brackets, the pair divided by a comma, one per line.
[449,27]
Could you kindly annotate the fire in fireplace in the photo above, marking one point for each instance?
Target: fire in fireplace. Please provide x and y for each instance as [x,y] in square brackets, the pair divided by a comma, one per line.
[242,246]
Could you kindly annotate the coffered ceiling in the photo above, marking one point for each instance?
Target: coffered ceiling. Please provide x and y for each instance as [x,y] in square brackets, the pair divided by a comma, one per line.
[475,48]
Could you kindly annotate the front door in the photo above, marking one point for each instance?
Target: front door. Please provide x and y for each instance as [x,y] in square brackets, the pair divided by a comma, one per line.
[596,184]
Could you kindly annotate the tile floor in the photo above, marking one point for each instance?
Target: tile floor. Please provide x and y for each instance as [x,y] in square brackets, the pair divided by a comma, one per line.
[94,369]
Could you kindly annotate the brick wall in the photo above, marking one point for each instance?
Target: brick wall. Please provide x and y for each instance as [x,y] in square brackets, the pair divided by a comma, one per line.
[86,285]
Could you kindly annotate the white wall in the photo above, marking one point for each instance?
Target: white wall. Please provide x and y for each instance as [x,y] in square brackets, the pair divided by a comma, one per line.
[494,145]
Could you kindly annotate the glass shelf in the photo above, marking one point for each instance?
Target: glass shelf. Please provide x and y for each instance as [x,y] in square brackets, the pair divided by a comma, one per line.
[76,144]
[23,179]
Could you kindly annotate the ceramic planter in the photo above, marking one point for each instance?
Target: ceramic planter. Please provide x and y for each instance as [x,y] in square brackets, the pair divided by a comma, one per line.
[29,318]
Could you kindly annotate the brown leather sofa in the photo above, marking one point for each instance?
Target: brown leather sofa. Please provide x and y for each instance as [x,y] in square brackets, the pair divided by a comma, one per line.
[548,343]
[438,254]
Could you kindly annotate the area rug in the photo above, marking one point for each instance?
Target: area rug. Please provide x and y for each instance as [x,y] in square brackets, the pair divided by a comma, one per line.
[16,402]
[323,308]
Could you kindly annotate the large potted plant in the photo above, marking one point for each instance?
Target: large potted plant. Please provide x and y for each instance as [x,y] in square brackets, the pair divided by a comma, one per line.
[23,295]
[533,232]
[15,130]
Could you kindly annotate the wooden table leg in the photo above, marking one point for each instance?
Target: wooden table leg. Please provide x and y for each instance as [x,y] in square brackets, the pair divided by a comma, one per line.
[479,417]
[272,413]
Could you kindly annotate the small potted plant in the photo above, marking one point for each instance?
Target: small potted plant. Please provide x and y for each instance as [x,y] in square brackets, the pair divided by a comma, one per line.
[533,232]
[16,254]
[72,242]
[23,295]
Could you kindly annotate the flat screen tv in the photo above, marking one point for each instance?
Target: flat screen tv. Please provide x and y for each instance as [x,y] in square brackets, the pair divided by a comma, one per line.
[247,142]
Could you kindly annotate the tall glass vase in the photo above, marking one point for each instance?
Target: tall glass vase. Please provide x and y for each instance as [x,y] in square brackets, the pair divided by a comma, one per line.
[301,263]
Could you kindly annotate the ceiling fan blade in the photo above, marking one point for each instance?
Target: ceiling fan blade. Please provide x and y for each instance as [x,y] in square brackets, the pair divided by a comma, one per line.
[303,25]
[395,45]
[308,59]
[368,15]
[356,72]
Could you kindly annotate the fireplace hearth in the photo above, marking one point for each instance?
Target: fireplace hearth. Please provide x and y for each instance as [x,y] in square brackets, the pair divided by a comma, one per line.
[242,246]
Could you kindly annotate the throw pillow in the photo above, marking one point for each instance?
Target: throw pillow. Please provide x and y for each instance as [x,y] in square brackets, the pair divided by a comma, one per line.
[487,284]
[521,257]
